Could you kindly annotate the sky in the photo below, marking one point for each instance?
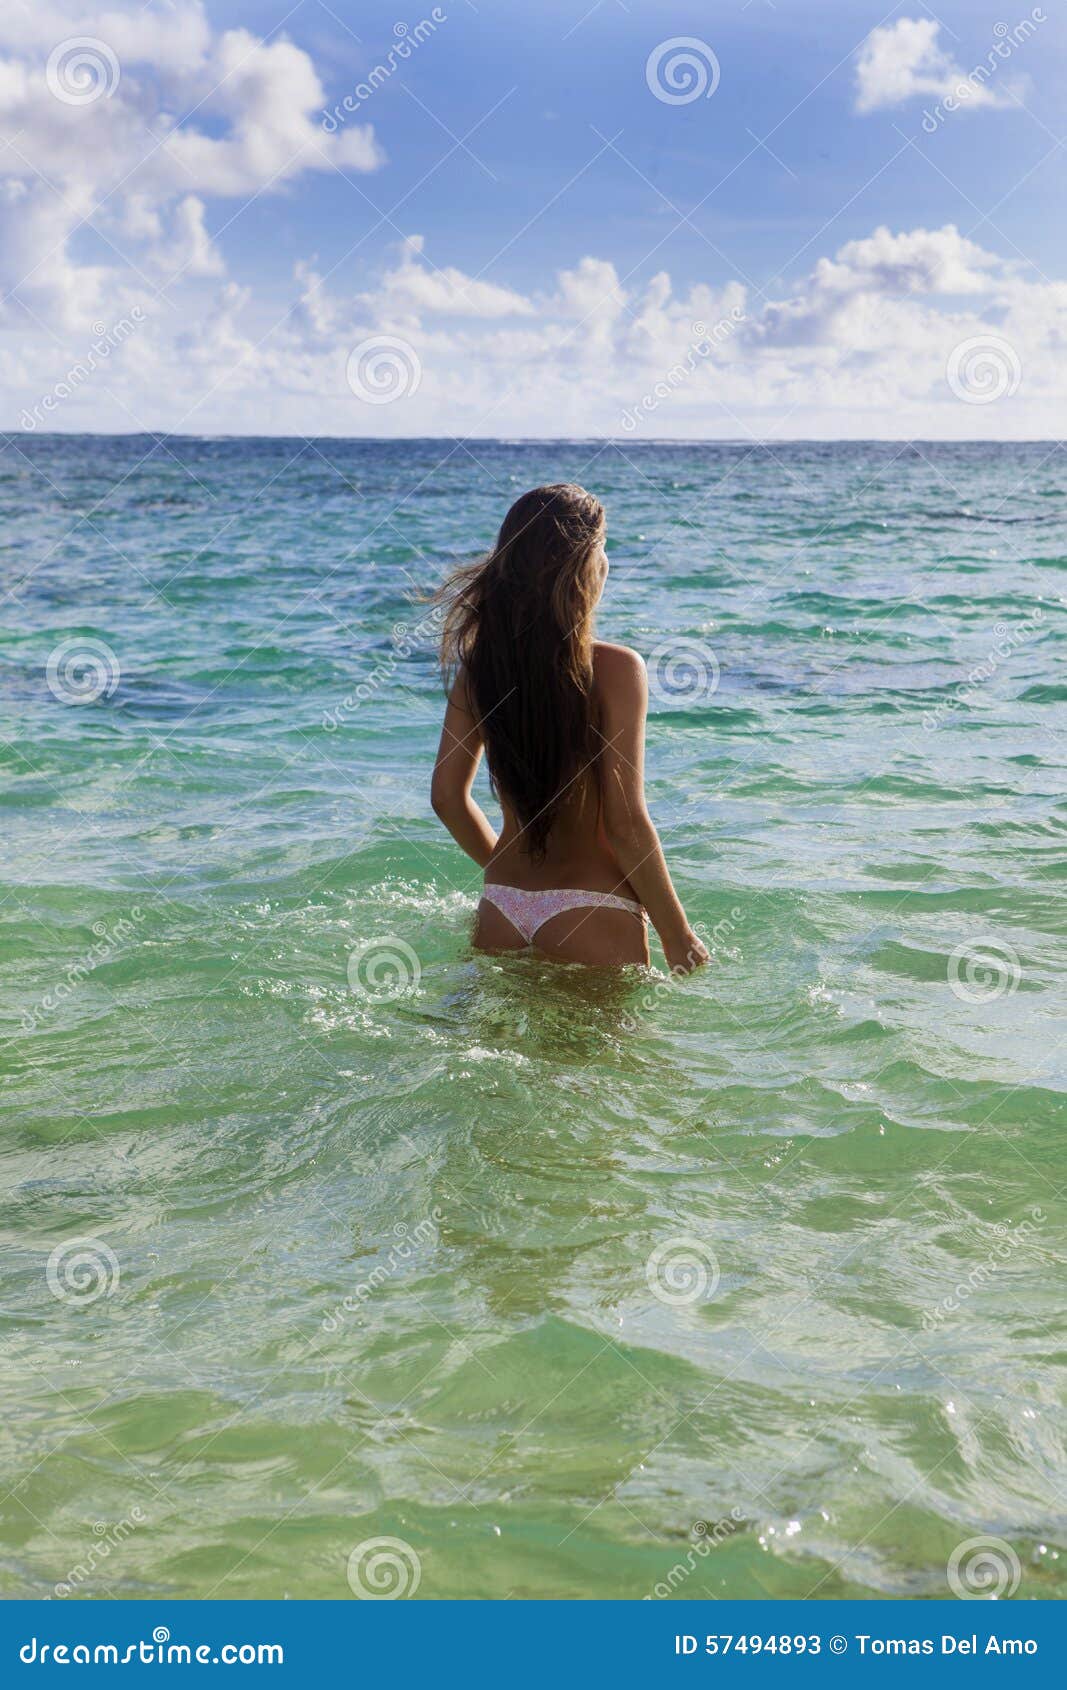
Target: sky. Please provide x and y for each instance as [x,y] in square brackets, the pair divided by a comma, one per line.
[487,218]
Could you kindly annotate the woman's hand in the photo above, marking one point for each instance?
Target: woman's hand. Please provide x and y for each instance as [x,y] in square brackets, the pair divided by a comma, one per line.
[686,954]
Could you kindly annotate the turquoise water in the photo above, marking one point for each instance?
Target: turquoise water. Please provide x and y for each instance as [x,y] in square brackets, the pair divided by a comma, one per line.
[575,1287]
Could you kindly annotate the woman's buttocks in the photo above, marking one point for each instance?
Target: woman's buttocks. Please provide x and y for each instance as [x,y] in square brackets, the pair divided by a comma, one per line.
[585,864]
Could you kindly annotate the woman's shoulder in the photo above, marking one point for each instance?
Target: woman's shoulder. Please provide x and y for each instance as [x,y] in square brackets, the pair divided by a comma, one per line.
[617,665]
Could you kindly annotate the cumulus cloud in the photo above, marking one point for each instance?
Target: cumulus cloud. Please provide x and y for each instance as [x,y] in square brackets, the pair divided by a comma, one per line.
[175,34]
[861,347]
[914,261]
[414,288]
[901,60]
[270,98]
[872,276]
[591,290]
[189,249]
[217,343]
[129,119]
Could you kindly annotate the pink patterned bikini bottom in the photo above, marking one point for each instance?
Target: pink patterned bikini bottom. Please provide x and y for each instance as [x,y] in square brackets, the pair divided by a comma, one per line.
[527,911]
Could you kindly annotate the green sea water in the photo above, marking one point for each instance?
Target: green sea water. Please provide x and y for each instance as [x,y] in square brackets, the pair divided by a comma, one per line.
[319,1229]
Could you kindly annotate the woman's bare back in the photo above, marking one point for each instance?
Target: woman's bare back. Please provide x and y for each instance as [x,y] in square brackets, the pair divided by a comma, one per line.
[578,856]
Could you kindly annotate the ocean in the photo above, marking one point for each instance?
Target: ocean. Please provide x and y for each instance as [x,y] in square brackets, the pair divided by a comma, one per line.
[342,1262]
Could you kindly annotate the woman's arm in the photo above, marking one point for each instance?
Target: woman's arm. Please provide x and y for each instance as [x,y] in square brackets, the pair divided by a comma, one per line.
[458,756]
[622,686]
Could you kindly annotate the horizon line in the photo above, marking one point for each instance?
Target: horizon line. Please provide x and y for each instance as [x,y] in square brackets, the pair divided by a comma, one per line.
[14,434]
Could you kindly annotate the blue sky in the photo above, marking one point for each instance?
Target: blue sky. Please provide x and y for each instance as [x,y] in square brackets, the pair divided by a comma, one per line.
[571,75]
[528,150]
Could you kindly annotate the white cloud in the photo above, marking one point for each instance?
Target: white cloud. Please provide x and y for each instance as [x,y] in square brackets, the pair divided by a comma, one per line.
[590,290]
[314,316]
[128,119]
[35,226]
[175,34]
[845,293]
[901,60]
[189,249]
[216,344]
[414,288]
[915,261]
[860,348]
[270,97]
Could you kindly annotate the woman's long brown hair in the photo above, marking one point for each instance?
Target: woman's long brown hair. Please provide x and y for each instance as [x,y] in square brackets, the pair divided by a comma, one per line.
[518,628]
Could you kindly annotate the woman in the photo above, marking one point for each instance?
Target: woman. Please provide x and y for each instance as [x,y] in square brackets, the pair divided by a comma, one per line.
[577,870]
